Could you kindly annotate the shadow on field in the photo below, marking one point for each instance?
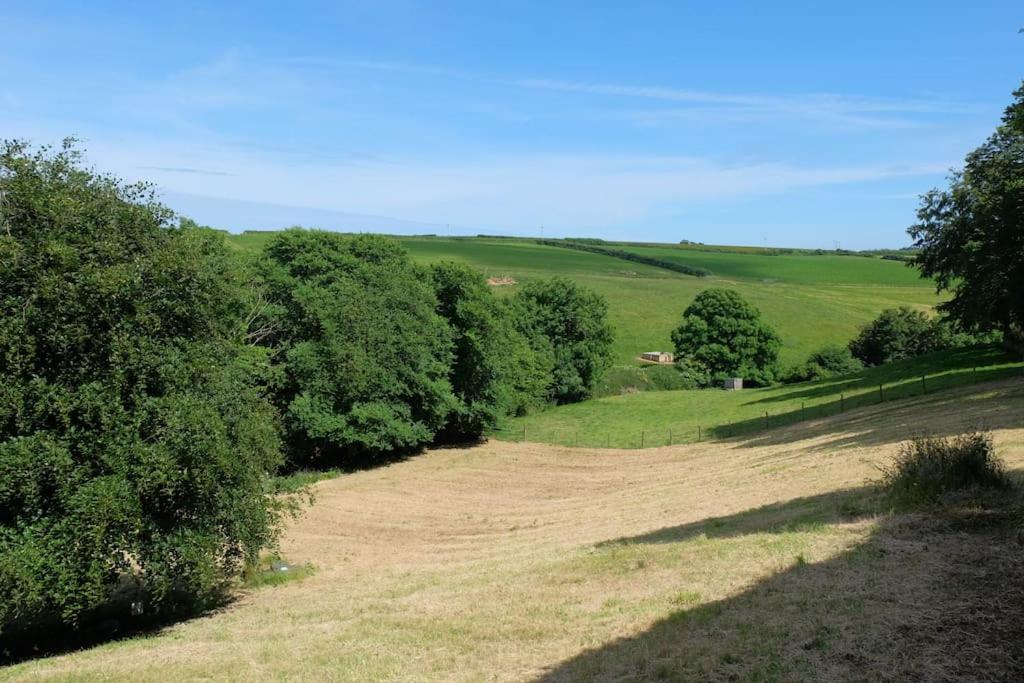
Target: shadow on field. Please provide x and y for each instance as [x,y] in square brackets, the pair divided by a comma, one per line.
[109,623]
[925,597]
[800,514]
[891,423]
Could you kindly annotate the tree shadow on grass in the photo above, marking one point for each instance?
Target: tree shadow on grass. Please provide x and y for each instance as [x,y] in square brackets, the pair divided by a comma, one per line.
[111,622]
[800,514]
[889,423]
[925,597]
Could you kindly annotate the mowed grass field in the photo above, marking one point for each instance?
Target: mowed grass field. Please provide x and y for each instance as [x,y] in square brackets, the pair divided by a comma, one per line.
[658,418]
[805,301]
[740,559]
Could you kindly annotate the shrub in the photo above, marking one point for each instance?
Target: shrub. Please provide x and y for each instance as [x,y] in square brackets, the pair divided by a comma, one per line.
[133,439]
[899,333]
[493,372]
[828,361]
[568,325]
[725,335]
[927,468]
[693,373]
[361,354]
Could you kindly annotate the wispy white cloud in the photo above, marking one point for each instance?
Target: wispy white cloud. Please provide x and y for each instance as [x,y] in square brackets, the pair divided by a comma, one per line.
[574,191]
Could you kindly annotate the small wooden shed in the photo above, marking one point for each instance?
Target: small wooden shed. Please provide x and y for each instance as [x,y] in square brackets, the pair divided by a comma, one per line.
[657,356]
[732,383]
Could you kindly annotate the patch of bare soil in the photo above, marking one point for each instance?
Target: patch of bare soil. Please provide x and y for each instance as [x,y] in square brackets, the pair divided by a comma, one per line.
[501,281]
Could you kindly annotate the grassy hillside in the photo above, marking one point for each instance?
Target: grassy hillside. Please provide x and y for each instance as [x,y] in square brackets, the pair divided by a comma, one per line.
[652,418]
[824,269]
[647,302]
[738,560]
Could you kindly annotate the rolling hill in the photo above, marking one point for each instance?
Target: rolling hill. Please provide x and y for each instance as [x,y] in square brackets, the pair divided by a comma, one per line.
[811,300]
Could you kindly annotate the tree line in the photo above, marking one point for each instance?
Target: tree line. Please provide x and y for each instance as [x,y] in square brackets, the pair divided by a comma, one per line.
[154,379]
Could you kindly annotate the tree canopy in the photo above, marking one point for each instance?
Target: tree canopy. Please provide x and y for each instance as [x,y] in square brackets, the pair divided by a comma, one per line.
[134,440]
[722,335]
[494,372]
[363,356]
[568,324]
[971,235]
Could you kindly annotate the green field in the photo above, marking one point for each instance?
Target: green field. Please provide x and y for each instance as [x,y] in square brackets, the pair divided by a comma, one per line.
[825,269]
[810,300]
[654,418]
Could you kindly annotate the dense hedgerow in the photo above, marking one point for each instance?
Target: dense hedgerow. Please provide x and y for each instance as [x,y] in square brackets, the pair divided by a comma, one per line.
[900,333]
[362,355]
[568,325]
[928,467]
[494,372]
[828,361]
[592,247]
[134,441]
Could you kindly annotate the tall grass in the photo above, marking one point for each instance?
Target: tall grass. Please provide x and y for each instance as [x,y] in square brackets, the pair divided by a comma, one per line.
[929,467]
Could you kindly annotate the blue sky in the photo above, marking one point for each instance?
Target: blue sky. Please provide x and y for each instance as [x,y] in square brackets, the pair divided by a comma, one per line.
[797,124]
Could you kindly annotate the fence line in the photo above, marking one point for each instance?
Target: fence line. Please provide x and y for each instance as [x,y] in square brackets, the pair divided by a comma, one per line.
[832,404]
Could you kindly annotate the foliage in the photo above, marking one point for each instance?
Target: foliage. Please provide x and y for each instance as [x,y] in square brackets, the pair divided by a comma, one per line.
[568,324]
[801,304]
[900,333]
[725,334]
[494,372]
[592,247]
[693,373]
[970,235]
[828,361]
[133,439]
[928,467]
[362,355]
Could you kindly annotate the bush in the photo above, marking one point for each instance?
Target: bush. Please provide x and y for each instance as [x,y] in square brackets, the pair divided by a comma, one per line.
[927,468]
[900,333]
[133,439]
[361,354]
[494,372]
[567,324]
[828,361]
[723,336]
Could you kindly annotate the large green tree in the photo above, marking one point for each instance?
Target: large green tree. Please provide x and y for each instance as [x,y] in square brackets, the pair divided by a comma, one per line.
[568,324]
[971,235]
[363,357]
[494,372]
[723,336]
[133,438]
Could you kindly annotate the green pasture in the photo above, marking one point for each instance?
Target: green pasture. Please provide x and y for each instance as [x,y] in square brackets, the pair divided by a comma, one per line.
[653,418]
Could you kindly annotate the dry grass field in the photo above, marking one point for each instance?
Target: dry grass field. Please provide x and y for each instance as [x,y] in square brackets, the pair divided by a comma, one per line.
[766,558]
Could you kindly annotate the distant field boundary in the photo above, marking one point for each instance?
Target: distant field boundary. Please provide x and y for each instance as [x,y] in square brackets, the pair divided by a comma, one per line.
[629,256]
[834,404]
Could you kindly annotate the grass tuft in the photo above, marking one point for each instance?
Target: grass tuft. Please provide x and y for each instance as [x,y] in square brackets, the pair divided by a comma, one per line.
[267,572]
[929,467]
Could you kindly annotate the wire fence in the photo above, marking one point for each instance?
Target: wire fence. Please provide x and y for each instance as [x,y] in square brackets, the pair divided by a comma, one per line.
[809,404]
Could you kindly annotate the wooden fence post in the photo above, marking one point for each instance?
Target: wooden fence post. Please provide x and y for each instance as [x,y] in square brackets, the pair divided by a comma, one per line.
[524,433]
[881,396]
[669,436]
[802,406]
[609,440]
[924,385]
[842,403]
[698,433]
[642,438]
[766,419]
